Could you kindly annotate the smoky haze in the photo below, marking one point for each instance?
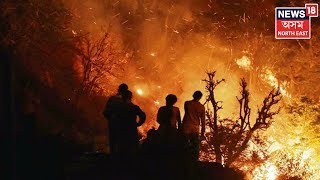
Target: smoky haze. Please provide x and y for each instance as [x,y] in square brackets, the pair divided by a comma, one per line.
[171,44]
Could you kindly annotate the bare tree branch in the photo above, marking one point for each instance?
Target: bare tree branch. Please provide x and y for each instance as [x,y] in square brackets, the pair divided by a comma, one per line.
[230,138]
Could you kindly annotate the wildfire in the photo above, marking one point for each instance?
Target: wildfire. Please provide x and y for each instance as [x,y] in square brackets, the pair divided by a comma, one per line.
[268,76]
[244,62]
[294,150]
[267,171]
[271,79]
[185,38]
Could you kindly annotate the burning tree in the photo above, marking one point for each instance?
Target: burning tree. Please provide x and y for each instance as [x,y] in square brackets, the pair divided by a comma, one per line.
[228,138]
[97,58]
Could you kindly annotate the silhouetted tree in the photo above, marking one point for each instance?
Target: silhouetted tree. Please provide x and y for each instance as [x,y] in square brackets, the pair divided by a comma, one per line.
[229,138]
[47,46]
[211,84]
[97,57]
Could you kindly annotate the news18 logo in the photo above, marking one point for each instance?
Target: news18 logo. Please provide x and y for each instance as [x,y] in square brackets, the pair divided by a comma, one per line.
[294,22]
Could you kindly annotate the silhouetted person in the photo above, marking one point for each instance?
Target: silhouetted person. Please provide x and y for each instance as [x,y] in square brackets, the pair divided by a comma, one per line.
[129,138]
[194,116]
[169,119]
[169,116]
[112,113]
[127,135]
[166,151]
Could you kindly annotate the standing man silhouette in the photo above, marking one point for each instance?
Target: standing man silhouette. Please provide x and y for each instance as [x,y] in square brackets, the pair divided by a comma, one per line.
[194,116]
[113,114]
[129,138]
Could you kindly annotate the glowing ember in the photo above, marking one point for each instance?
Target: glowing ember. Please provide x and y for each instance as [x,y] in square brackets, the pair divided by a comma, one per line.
[74,32]
[139,92]
[156,102]
[153,54]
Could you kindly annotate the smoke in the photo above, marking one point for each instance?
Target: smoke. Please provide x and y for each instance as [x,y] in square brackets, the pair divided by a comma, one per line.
[171,44]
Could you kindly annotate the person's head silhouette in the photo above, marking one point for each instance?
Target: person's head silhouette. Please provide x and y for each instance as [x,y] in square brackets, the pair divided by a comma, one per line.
[197,95]
[171,99]
[127,96]
[122,88]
